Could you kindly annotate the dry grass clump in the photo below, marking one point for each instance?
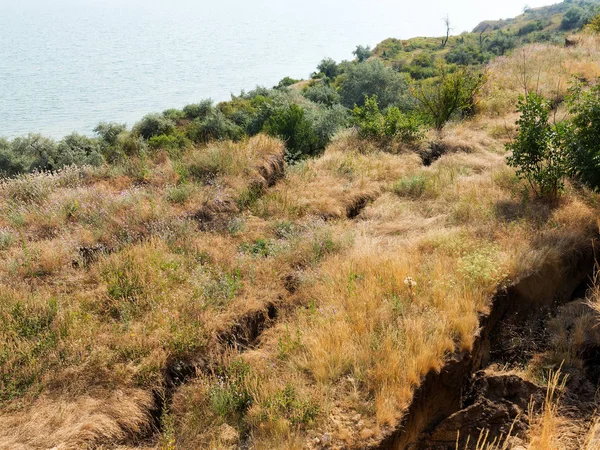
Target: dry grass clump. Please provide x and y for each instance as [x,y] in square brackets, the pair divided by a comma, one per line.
[81,422]
[546,69]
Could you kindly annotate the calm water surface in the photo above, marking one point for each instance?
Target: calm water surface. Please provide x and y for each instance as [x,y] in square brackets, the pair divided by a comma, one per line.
[66,65]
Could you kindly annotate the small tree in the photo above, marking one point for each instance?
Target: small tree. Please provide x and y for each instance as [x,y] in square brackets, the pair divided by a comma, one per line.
[362,53]
[584,148]
[329,68]
[449,94]
[538,150]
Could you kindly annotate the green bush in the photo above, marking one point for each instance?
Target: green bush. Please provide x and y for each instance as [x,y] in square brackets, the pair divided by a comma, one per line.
[326,122]
[374,78]
[76,149]
[372,123]
[538,150]
[214,126]
[329,68]
[573,18]
[362,53]
[584,148]
[198,110]
[11,164]
[286,82]
[450,94]
[171,143]
[292,126]
[466,55]
[174,114]
[154,125]
[323,94]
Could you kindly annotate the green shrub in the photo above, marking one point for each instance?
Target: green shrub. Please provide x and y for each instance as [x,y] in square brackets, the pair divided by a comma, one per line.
[286,82]
[374,78]
[500,43]
[594,25]
[38,151]
[451,93]
[198,110]
[326,122]
[76,149]
[466,55]
[537,150]
[171,143]
[372,123]
[174,114]
[292,126]
[573,18]
[109,132]
[406,127]
[362,53]
[11,164]
[584,148]
[329,68]
[215,126]
[368,119]
[154,125]
[323,94]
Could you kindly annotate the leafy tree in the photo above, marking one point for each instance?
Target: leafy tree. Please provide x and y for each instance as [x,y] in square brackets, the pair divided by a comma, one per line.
[572,19]
[78,150]
[39,150]
[362,53]
[329,68]
[286,82]
[108,132]
[449,94]
[538,150]
[109,137]
[374,78]
[584,141]
[10,163]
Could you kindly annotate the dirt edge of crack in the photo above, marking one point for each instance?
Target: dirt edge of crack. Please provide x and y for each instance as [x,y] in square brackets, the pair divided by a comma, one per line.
[440,393]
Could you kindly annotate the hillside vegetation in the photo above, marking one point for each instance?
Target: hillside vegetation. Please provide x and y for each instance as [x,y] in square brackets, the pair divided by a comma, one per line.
[282,270]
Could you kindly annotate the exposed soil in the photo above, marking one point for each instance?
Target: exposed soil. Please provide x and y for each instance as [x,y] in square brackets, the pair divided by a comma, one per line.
[464,398]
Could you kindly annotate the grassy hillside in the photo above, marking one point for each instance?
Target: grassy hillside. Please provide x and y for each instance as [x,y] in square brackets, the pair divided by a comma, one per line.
[280,271]
[492,38]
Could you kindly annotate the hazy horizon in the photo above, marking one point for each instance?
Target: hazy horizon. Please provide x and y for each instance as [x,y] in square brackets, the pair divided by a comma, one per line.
[65,66]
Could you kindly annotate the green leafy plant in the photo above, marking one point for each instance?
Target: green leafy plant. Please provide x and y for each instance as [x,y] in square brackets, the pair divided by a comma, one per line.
[292,126]
[372,123]
[538,150]
[449,94]
[584,150]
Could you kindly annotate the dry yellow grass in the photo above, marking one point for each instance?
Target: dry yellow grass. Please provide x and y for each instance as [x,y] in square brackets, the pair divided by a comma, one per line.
[378,266]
